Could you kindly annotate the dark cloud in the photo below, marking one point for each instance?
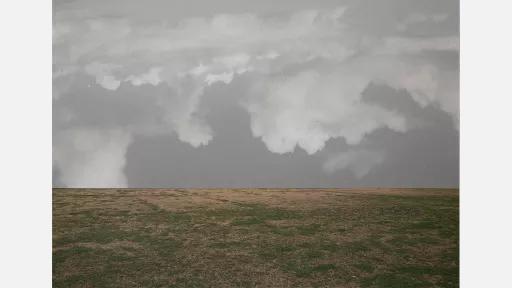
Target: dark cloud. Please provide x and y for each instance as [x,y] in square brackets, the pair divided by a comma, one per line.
[256,93]
[90,105]
[427,156]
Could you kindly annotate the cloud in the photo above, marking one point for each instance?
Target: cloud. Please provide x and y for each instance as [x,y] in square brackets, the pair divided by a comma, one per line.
[91,158]
[309,108]
[225,77]
[404,46]
[306,72]
[219,48]
[103,74]
[359,162]
[427,83]
[417,19]
[151,77]
[225,32]
[225,46]
[62,79]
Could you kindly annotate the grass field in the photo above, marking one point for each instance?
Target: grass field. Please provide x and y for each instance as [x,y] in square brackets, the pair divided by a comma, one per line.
[255,238]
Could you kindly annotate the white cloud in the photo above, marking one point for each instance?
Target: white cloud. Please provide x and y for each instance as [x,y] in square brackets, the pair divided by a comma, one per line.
[426,83]
[180,113]
[305,109]
[310,108]
[228,33]
[91,158]
[151,77]
[194,132]
[225,77]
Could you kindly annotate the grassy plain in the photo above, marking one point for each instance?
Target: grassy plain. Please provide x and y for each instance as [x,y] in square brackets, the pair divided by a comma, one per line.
[255,237]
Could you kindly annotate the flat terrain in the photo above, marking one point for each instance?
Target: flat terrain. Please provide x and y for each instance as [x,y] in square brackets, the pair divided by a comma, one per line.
[255,238]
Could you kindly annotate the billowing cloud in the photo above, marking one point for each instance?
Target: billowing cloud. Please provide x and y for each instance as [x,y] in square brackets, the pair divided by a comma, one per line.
[224,46]
[310,108]
[151,77]
[306,69]
[91,158]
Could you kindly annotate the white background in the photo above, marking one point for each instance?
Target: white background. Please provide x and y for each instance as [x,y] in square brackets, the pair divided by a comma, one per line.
[486,144]
[25,143]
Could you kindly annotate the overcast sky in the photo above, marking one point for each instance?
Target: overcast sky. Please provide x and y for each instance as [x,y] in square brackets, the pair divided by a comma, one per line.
[274,93]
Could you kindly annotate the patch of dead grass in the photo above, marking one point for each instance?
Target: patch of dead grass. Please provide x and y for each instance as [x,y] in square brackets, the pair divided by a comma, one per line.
[253,237]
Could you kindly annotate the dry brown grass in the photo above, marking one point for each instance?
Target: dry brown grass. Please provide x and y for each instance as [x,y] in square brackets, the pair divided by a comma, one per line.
[255,237]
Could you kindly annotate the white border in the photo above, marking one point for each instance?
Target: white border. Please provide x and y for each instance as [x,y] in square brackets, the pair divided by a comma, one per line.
[486,107]
[25,149]
[25,143]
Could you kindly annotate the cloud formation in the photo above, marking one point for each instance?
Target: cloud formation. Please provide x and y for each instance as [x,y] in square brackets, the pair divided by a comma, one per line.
[91,158]
[307,71]
[309,108]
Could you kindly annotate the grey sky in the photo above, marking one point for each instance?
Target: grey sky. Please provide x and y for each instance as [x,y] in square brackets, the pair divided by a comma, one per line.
[255,93]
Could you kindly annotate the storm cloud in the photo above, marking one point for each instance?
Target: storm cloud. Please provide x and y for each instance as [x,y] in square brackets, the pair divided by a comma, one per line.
[296,94]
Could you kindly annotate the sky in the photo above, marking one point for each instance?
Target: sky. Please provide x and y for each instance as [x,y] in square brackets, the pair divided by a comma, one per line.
[273,93]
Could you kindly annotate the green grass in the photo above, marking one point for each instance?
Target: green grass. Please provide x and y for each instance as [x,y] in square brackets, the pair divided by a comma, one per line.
[121,239]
